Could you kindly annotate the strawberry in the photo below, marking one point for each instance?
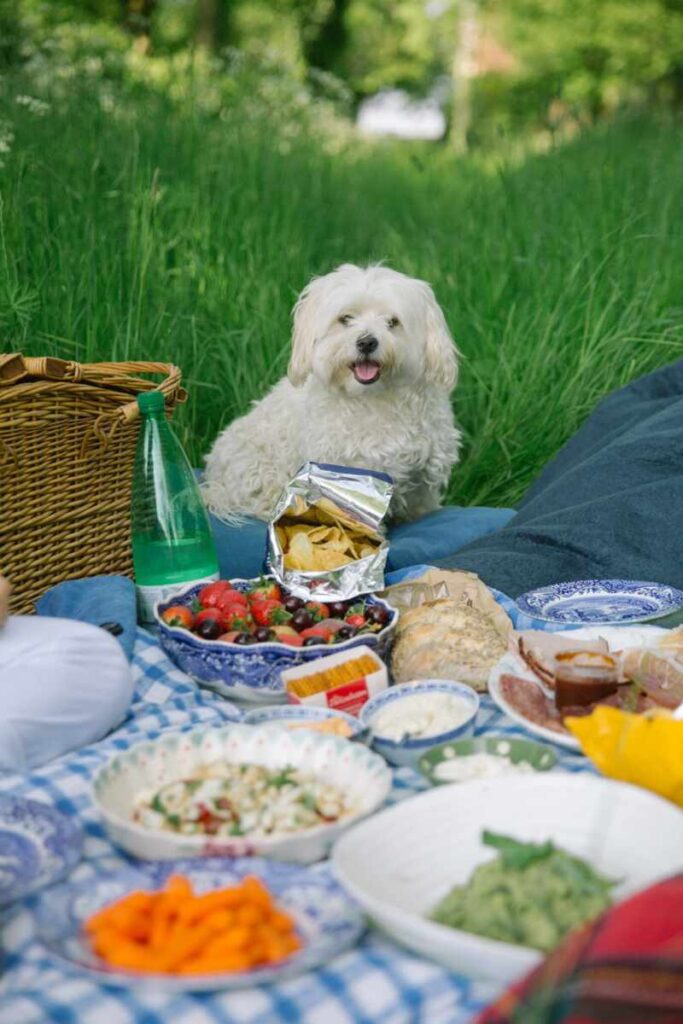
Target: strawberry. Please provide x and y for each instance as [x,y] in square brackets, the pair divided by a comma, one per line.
[265,590]
[321,632]
[318,610]
[356,620]
[208,595]
[206,613]
[292,641]
[231,596]
[269,613]
[178,615]
[236,616]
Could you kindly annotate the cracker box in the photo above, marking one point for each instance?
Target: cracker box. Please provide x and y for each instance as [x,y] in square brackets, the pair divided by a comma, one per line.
[343,681]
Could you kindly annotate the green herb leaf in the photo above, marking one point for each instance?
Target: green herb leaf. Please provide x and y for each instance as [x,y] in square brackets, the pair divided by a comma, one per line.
[309,802]
[515,854]
[283,778]
[280,617]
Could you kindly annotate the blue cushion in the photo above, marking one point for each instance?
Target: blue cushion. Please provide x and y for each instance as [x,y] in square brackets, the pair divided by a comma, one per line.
[241,549]
[442,533]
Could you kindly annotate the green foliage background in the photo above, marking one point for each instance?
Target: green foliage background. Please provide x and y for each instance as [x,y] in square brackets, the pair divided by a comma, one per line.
[168,201]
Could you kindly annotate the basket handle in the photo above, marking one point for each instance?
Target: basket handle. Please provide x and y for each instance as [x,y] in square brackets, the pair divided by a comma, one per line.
[15,367]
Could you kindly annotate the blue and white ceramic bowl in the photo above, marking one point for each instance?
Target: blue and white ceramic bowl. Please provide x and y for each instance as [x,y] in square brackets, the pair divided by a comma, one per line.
[408,751]
[288,714]
[327,920]
[251,673]
[38,844]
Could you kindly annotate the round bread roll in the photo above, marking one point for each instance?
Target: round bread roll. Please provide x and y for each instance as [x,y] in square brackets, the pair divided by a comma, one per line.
[446,639]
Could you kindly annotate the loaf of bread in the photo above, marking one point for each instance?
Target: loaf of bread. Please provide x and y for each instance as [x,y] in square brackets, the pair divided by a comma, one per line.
[447,639]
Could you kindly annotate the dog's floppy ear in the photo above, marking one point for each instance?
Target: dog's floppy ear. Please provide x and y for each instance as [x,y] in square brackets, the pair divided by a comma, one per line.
[441,353]
[303,333]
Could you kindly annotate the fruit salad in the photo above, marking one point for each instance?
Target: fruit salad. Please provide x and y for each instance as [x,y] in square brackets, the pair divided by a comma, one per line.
[265,612]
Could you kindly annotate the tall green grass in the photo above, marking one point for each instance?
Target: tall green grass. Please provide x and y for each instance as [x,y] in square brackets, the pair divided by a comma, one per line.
[139,233]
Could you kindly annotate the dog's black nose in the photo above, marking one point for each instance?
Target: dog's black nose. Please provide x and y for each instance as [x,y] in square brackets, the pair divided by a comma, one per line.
[367,344]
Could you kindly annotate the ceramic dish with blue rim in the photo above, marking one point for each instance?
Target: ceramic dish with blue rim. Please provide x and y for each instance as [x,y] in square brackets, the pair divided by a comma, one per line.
[253,672]
[421,732]
[449,761]
[601,602]
[38,845]
[327,920]
[298,715]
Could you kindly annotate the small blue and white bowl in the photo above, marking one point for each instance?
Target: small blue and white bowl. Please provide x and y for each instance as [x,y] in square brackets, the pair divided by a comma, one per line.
[290,714]
[408,751]
[251,673]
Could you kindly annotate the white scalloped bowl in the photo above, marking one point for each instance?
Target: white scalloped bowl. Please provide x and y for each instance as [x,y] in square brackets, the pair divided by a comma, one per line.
[360,775]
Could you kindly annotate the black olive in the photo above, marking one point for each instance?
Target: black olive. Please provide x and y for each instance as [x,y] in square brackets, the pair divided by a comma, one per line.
[244,638]
[377,613]
[209,629]
[337,609]
[292,604]
[345,632]
[311,641]
[301,619]
[262,635]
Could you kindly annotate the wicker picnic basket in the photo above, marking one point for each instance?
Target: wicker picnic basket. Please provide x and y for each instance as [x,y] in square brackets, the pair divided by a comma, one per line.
[67,444]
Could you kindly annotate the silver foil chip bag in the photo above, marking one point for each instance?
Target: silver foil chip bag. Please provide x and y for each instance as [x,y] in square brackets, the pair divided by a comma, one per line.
[326,540]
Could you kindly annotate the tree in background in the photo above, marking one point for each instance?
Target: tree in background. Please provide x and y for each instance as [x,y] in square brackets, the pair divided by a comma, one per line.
[324,32]
[464,70]
[593,55]
[514,66]
[137,15]
[213,27]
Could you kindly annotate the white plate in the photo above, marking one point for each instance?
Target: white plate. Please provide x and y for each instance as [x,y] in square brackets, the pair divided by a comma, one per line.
[360,775]
[618,637]
[401,862]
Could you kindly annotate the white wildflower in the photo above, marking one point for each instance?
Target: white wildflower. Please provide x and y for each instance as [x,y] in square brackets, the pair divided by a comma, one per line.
[33,104]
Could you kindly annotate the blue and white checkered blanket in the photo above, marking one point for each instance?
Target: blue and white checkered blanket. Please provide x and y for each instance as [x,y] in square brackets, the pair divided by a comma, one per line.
[376,982]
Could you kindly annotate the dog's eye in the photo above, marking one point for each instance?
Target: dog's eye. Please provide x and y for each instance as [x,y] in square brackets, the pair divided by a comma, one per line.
[345,320]
[393,321]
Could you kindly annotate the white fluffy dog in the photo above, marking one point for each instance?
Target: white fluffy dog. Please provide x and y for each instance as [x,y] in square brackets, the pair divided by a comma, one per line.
[369,381]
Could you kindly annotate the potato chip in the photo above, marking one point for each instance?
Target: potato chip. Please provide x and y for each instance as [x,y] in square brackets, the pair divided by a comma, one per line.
[325,559]
[301,552]
[319,538]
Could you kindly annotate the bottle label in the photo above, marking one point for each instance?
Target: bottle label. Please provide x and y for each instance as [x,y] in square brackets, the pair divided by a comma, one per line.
[148,596]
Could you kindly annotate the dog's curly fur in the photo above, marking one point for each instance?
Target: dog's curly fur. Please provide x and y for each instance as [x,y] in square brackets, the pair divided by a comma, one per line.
[369,381]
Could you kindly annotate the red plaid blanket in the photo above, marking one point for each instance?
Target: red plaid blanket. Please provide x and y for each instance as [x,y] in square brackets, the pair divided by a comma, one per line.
[624,968]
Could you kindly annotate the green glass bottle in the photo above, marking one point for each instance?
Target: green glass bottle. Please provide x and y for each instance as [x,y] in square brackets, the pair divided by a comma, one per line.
[172,542]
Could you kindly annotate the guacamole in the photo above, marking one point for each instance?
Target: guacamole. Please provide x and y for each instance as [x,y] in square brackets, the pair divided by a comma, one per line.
[532,894]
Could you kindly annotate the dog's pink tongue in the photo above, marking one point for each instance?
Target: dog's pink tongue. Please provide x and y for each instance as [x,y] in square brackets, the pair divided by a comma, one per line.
[366,372]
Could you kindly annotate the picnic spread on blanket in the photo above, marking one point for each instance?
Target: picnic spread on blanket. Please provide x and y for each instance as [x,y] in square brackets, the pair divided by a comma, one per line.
[341,793]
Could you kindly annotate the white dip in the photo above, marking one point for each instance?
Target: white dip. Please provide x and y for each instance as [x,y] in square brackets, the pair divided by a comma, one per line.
[420,715]
[478,766]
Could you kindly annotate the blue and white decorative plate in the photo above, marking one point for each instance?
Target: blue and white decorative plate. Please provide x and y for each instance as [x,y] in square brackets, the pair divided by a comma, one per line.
[606,602]
[38,845]
[327,920]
